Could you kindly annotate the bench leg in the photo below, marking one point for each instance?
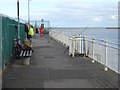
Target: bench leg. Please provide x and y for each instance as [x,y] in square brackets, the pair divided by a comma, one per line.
[26,61]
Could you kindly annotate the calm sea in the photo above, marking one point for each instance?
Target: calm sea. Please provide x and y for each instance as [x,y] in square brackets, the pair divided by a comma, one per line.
[111,35]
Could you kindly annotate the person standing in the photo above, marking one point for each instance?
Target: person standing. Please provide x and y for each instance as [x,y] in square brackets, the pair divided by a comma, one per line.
[36,30]
[26,28]
[40,31]
[31,34]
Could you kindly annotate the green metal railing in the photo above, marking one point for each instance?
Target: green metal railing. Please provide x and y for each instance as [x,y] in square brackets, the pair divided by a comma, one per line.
[8,32]
[0,43]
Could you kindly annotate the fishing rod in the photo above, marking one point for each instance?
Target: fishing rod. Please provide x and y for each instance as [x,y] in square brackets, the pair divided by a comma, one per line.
[55,36]
[83,31]
[48,31]
[79,35]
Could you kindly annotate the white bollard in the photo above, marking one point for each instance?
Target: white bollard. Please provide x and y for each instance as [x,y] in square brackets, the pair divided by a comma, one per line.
[93,61]
[106,68]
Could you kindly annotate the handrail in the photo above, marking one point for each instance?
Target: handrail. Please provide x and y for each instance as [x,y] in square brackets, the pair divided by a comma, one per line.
[100,40]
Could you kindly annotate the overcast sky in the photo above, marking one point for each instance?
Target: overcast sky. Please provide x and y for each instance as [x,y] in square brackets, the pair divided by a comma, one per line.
[68,13]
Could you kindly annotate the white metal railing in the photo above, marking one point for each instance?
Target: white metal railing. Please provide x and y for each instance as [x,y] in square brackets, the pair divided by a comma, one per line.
[60,37]
[99,50]
[103,53]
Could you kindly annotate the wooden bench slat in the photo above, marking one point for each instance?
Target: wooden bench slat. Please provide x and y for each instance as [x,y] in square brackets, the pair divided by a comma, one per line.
[26,53]
[30,52]
[21,53]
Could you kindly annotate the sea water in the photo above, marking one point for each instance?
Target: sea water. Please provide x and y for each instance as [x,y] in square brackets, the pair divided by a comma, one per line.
[111,35]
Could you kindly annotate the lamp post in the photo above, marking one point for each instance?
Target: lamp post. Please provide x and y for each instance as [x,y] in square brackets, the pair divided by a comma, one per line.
[18,19]
[29,13]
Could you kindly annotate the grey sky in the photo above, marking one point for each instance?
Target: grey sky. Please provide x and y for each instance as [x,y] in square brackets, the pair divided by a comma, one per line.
[66,12]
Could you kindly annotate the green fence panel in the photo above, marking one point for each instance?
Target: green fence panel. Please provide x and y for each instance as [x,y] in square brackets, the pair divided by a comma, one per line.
[9,33]
[0,42]
[22,32]
[3,40]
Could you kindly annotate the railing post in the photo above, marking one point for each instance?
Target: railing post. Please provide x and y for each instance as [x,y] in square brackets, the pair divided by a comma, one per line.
[63,39]
[93,41]
[73,46]
[70,45]
[84,51]
[80,44]
[86,47]
[60,38]
[75,39]
[106,44]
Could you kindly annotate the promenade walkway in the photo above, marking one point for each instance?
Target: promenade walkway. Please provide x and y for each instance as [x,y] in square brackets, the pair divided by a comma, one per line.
[52,68]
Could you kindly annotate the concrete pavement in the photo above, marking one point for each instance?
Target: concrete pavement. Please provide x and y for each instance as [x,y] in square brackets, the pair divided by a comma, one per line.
[52,68]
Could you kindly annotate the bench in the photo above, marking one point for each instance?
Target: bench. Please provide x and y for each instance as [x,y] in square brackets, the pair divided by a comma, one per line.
[25,55]
[22,54]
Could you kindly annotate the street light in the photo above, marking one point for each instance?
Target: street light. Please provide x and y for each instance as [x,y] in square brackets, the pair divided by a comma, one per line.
[29,12]
[18,19]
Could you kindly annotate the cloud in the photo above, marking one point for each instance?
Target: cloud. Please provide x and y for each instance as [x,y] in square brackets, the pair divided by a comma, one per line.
[12,1]
[64,12]
[98,18]
[114,17]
